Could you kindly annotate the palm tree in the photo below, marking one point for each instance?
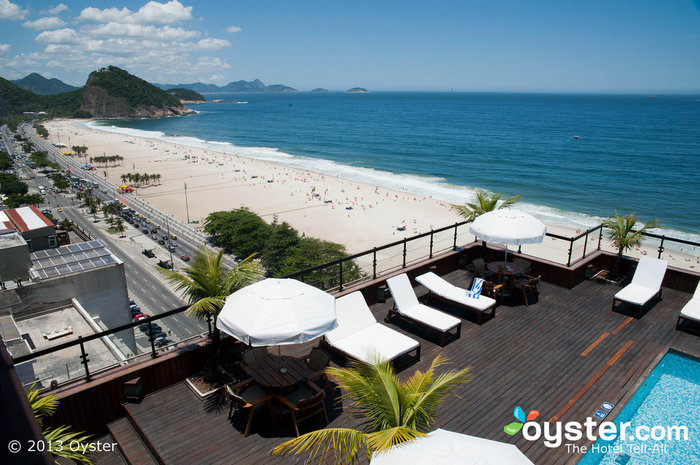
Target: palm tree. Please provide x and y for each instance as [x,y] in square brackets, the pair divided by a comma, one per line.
[67,444]
[621,231]
[390,411]
[205,284]
[484,203]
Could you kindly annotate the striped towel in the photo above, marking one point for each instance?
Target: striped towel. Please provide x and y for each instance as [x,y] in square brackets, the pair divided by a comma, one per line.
[475,291]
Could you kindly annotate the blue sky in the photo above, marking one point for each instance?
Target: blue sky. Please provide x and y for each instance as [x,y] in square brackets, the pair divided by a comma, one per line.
[642,46]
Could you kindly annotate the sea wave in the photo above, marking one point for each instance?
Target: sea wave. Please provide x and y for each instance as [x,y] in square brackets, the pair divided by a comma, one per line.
[426,186]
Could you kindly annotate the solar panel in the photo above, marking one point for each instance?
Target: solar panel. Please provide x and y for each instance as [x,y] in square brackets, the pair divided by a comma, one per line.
[71,258]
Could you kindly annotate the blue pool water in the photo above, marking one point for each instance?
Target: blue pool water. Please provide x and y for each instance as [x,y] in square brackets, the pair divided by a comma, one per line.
[669,396]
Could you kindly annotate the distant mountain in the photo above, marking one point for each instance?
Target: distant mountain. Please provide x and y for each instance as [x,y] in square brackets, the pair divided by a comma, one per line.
[231,87]
[187,95]
[357,90]
[319,90]
[114,93]
[108,93]
[38,84]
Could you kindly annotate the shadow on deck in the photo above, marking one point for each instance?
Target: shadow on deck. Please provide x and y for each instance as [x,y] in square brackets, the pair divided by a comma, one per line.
[563,355]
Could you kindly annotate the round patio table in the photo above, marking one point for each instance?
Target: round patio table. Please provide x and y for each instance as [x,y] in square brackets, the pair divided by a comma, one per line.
[279,371]
[505,269]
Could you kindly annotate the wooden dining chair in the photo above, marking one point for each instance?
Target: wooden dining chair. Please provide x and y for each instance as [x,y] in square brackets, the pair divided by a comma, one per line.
[317,361]
[253,356]
[246,397]
[527,284]
[305,402]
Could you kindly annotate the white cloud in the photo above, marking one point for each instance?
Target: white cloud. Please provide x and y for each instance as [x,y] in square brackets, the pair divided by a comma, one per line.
[49,22]
[151,13]
[212,63]
[212,44]
[139,30]
[59,36]
[4,48]
[234,29]
[10,10]
[57,9]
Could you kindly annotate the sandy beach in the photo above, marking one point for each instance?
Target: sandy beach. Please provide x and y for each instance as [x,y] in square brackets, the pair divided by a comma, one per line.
[359,216]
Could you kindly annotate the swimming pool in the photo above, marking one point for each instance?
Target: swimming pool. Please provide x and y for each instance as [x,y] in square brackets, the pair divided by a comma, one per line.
[670,396]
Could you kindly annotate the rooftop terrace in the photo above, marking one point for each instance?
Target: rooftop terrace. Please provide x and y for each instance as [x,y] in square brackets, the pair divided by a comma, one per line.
[563,355]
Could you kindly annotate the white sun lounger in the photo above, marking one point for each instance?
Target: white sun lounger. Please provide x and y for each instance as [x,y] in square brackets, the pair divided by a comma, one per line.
[359,336]
[406,306]
[442,290]
[645,285]
[691,310]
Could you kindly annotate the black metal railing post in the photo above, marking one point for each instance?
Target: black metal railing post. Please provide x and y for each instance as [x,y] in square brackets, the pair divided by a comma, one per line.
[404,252]
[340,276]
[211,333]
[454,240]
[151,338]
[571,249]
[431,244]
[585,244]
[600,237]
[84,358]
[374,263]
[661,245]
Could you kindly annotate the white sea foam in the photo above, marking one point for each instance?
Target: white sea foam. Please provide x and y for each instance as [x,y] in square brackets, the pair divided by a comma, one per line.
[426,186]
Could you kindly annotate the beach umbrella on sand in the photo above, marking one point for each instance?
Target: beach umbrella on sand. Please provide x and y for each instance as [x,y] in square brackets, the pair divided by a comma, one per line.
[508,226]
[277,312]
[442,446]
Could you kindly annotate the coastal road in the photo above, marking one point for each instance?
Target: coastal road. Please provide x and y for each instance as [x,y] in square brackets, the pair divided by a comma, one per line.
[189,239]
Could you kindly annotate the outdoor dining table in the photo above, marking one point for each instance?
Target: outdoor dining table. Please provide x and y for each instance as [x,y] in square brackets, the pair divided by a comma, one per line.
[507,269]
[279,372]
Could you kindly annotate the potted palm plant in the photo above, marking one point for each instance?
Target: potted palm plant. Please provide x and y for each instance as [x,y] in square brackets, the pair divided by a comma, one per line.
[624,237]
[205,284]
[391,412]
[484,203]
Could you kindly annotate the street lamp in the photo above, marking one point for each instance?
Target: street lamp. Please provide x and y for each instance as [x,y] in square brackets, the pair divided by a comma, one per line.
[187,207]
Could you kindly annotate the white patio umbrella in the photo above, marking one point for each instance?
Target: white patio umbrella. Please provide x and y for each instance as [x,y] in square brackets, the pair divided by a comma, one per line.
[442,447]
[277,312]
[508,226]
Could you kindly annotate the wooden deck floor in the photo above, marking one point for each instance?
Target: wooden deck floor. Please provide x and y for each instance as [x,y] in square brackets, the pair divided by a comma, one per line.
[563,356]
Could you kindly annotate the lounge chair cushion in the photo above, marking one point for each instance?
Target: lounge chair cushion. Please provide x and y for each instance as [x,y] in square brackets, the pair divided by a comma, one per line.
[646,281]
[407,305]
[691,310]
[635,294]
[352,314]
[376,341]
[439,286]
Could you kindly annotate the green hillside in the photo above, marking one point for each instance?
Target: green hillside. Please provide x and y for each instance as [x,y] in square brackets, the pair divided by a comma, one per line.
[186,94]
[38,84]
[18,101]
[129,89]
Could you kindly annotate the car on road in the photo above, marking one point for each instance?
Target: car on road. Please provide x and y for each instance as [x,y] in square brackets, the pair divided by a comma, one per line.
[144,230]
[60,209]
[154,237]
[185,258]
[149,253]
[165,264]
[161,242]
[164,237]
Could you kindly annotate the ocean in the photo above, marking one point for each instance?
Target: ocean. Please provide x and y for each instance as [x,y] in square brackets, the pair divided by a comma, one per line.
[574,159]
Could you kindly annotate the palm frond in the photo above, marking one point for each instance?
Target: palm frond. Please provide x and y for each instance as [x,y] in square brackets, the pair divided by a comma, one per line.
[70,445]
[384,440]
[346,443]
[41,406]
